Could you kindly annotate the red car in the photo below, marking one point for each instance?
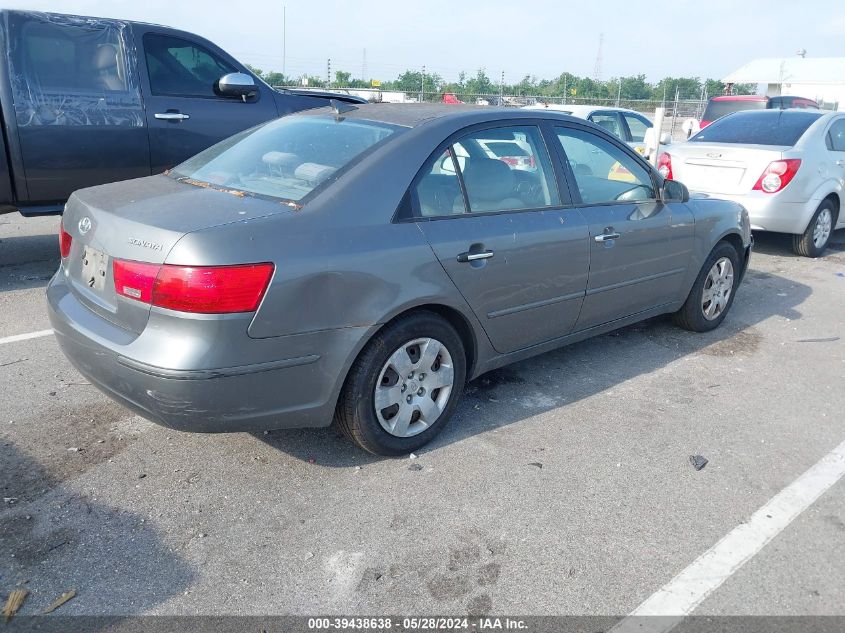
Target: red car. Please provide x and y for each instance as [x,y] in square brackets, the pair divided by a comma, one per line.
[450,98]
[718,107]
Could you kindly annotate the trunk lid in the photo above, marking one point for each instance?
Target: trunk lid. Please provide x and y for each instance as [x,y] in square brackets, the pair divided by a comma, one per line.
[140,220]
[721,167]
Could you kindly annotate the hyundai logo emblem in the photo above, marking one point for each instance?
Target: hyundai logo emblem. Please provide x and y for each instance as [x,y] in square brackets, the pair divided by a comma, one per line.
[84,225]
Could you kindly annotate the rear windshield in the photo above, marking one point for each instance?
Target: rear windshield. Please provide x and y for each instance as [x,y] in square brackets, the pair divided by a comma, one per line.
[770,127]
[718,109]
[286,158]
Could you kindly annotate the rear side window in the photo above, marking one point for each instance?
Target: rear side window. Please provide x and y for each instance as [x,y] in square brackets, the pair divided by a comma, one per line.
[718,109]
[502,169]
[772,127]
[603,172]
[75,58]
[836,136]
[180,67]
[609,121]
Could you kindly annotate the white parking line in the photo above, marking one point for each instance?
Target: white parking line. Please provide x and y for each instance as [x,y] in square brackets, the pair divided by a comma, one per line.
[24,337]
[681,595]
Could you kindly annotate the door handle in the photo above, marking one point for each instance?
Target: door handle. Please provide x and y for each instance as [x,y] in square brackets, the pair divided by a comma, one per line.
[606,237]
[471,257]
[841,163]
[171,116]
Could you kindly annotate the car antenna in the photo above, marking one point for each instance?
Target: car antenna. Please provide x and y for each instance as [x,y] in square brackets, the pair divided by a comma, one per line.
[340,108]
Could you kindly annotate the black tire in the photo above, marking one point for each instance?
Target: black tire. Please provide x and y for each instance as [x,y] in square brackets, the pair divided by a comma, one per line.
[691,315]
[803,244]
[356,415]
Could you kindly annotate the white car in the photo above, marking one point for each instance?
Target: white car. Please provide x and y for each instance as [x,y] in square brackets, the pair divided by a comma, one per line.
[629,125]
[787,167]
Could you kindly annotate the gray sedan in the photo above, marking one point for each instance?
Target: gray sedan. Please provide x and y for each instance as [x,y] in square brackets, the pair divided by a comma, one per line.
[343,264]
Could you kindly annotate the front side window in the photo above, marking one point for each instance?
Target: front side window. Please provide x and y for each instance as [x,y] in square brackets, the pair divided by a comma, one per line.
[637,127]
[503,169]
[287,158]
[603,172]
[179,67]
[72,58]
[836,136]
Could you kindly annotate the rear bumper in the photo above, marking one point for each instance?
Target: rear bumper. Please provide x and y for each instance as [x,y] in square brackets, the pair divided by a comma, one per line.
[297,387]
[769,213]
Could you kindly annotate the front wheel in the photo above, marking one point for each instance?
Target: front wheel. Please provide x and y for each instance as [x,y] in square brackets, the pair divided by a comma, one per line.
[403,388]
[813,241]
[712,293]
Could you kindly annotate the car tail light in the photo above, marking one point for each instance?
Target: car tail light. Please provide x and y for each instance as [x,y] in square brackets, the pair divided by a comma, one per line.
[135,279]
[703,124]
[664,165]
[200,289]
[65,240]
[777,175]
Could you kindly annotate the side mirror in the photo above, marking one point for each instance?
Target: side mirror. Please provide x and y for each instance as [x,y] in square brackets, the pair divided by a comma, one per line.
[665,138]
[674,191]
[236,85]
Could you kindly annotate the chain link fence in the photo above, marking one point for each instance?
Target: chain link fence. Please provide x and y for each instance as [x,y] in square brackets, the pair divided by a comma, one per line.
[677,111]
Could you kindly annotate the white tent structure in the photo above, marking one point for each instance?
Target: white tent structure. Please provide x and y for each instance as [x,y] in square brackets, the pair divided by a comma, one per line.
[819,78]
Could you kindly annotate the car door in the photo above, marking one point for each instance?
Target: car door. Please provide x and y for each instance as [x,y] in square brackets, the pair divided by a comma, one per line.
[640,247]
[76,104]
[185,115]
[504,234]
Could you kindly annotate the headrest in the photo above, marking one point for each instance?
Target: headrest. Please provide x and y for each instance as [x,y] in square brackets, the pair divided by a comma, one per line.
[488,179]
[105,57]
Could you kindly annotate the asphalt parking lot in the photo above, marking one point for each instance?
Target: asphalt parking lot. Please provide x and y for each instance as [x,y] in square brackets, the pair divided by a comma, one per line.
[562,486]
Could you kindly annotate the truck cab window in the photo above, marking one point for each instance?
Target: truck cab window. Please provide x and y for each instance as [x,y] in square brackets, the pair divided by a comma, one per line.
[74,58]
[183,68]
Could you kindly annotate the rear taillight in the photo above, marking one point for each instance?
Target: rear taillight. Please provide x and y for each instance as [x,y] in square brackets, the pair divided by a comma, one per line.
[778,174]
[703,124]
[201,289]
[664,165]
[135,279]
[65,240]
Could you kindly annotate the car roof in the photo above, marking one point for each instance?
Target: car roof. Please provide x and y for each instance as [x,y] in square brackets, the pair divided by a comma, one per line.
[416,114]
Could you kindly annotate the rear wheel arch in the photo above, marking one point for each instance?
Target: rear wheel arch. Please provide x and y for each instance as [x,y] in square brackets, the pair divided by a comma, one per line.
[834,198]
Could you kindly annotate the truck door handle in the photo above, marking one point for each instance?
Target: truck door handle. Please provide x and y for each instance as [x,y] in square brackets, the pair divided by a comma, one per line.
[606,237]
[171,116]
[471,257]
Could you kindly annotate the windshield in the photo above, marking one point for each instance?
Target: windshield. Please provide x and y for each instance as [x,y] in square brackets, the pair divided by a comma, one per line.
[718,109]
[286,158]
[770,127]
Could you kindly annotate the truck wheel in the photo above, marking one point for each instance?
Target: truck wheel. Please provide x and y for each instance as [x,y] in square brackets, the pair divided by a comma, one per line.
[404,386]
[814,240]
[712,293]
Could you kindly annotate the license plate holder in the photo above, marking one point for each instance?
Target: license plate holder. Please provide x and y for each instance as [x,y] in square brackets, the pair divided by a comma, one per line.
[94,266]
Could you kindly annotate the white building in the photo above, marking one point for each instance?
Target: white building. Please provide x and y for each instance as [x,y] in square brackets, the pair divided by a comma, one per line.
[818,78]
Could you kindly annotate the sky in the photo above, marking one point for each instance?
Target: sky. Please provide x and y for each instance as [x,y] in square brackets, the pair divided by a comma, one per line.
[704,38]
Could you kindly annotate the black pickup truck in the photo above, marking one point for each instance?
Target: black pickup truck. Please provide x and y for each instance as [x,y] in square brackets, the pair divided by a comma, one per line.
[87,101]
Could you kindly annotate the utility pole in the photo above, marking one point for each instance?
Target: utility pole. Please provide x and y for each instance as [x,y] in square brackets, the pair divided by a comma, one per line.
[422,84]
[619,92]
[284,38]
[329,73]
[564,88]
[364,67]
[502,89]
